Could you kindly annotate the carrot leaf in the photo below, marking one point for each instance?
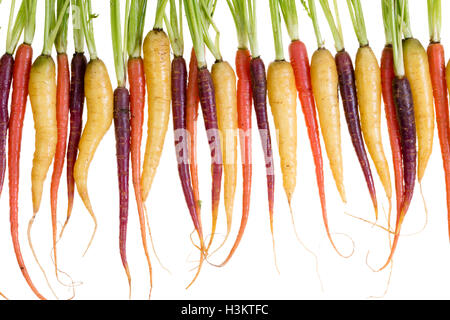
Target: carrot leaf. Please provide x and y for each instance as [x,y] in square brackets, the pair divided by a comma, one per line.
[52,26]
[61,38]
[159,17]
[238,10]
[174,27]
[334,23]
[357,17]
[88,28]
[434,19]
[15,31]
[310,8]
[276,29]
[78,35]
[289,11]
[252,28]
[136,22]
[395,27]
[116,35]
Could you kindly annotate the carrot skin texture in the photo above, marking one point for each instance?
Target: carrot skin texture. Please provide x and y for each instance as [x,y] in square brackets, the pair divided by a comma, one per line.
[350,103]
[62,112]
[259,91]
[193,100]
[76,107]
[21,77]
[208,104]
[122,133]
[436,61]
[6,74]
[387,76]
[324,79]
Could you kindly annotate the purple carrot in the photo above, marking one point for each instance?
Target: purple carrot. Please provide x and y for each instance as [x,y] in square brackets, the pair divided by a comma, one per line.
[208,103]
[6,73]
[122,132]
[259,89]
[347,88]
[179,86]
[76,104]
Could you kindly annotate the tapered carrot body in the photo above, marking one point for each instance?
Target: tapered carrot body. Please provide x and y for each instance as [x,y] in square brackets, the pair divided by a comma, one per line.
[350,103]
[283,103]
[259,90]
[76,106]
[224,81]
[157,75]
[21,77]
[208,104]
[136,75]
[438,80]
[100,105]
[191,125]
[418,73]
[6,74]
[387,76]
[368,84]
[122,133]
[62,113]
[42,91]
[324,81]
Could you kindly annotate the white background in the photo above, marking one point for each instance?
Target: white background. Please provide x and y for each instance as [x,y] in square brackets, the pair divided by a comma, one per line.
[421,263]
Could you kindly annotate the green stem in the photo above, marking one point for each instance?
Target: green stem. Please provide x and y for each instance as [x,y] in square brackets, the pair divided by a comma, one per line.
[61,38]
[238,10]
[160,8]
[312,13]
[78,35]
[406,25]
[174,29]
[252,28]
[49,21]
[10,22]
[335,25]
[16,31]
[359,25]
[136,23]
[51,36]
[386,21]
[88,28]
[116,35]
[276,29]
[289,10]
[396,34]
[30,26]
[434,19]
[195,29]
[206,12]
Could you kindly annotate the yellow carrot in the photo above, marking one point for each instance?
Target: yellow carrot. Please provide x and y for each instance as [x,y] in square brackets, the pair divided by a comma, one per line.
[368,84]
[324,79]
[283,103]
[224,81]
[157,75]
[99,101]
[418,74]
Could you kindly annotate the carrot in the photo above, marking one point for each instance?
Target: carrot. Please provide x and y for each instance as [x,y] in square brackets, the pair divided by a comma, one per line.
[21,76]
[76,106]
[62,112]
[436,61]
[100,105]
[347,87]
[136,77]
[157,75]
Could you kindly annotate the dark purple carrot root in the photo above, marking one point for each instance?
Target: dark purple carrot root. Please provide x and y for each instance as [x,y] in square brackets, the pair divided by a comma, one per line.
[6,73]
[259,89]
[347,88]
[405,117]
[76,104]
[122,133]
[179,86]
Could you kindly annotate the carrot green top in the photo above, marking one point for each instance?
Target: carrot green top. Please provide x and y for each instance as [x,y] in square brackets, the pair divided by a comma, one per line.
[61,38]
[393,22]
[175,28]
[386,21]
[51,26]
[30,25]
[312,13]
[15,28]
[252,28]
[88,27]
[356,14]
[276,29]
[334,23]
[207,9]
[159,17]
[289,10]
[434,19]
[136,22]
[238,10]
[116,35]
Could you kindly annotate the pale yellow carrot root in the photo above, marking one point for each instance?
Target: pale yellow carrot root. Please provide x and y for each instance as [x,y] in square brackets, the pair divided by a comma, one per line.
[324,79]
[417,71]
[99,101]
[224,81]
[283,103]
[368,84]
[157,75]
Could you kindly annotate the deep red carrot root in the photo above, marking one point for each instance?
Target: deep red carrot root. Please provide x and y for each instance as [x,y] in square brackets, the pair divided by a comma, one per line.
[6,74]
[405,115]
[436,61]
[21,77]
[259,91]
[387,76]
[122,132]
[191,125]
[136,77]
[76,105]
[350,103]
[208,104]
[244,108]
[62,112]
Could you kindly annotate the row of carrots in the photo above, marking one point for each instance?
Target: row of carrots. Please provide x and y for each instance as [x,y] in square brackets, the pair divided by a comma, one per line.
[411,81]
